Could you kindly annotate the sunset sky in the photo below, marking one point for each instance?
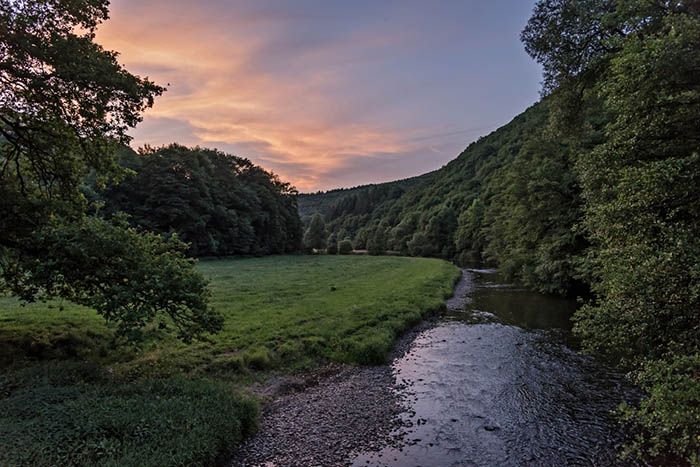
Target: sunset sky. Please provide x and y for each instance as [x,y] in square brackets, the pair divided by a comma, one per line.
[328,94]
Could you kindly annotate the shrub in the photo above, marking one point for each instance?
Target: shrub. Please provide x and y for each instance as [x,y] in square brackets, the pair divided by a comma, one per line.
[332,245]
[345,247]
[669,417]
[162,423]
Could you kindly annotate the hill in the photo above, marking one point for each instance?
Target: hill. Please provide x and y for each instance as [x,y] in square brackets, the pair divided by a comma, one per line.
[324,202]
[465,210]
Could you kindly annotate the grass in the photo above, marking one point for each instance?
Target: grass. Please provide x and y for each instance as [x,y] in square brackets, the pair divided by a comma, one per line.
[69,395]
[344,308]
[48,421]
[279,311]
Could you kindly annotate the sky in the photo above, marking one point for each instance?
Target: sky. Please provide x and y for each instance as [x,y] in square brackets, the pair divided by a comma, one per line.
[327,94]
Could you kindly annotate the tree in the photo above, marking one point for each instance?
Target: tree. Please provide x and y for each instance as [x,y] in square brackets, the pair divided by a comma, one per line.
[218,203]
[332,244]
[642,206]
[376,245]
[419,245]
[440,231]
[65,106]
[531,224]
[315,236]
[469,241]
[345,246]
[401,234]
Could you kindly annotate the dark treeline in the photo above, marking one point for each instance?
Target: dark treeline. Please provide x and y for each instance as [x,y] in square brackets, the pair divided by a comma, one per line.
[593,191]
[218,203]
[332,202]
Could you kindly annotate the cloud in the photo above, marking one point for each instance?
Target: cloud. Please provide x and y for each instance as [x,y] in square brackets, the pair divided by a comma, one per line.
[322,93]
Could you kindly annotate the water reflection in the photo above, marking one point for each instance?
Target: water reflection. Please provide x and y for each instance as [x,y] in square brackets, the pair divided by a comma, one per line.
[494,385]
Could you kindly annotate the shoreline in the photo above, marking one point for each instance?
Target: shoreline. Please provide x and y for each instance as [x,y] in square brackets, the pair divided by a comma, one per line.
[326,416]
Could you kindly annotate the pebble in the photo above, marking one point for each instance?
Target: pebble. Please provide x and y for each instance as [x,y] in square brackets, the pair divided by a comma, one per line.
[327,416]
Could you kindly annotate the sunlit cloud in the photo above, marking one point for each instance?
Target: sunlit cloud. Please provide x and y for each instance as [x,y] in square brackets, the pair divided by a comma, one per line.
[324,94]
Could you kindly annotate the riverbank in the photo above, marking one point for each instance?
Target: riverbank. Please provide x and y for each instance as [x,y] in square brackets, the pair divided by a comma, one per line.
[482,384]
[327,416]
[324,417]
[283,315]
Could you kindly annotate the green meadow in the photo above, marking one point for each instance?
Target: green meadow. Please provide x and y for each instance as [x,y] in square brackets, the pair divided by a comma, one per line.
[71,394]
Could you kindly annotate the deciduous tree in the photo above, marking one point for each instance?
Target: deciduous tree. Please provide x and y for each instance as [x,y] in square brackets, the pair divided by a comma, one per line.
[315,236]
[65,106]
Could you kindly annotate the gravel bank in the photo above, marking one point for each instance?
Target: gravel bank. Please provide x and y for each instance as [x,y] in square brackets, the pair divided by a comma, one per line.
[322,418]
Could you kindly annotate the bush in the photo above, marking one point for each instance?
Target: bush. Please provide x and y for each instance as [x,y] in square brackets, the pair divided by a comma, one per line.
[419,245]
[345,247]
[332,245]
[669,417]
[162,423]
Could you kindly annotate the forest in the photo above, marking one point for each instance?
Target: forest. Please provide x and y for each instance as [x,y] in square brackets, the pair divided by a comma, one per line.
[592,192]
[219,204]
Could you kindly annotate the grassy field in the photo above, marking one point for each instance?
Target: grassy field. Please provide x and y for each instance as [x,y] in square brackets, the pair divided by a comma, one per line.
[66,381]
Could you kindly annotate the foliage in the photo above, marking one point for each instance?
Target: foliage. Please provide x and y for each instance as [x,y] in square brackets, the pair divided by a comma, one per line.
[440,231]
[218,203]
[326,202]
[332,243]
[419,245]
[469,240]
[130,278]
[169,422]
[315,236]
[401,234]
[345,246]
[642,210]
[376,244]
[569,39]
[65,106]
[669,417]
[528,228]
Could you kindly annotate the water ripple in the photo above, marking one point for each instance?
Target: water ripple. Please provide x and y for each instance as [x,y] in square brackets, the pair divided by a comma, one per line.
[495,385]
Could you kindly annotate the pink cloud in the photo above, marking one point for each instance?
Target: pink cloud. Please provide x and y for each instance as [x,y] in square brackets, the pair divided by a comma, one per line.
[307,94]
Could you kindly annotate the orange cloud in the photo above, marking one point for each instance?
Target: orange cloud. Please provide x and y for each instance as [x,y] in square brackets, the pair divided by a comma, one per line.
[226,94]
[304,96]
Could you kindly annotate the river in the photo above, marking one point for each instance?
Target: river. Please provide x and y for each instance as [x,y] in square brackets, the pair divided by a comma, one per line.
[497,383]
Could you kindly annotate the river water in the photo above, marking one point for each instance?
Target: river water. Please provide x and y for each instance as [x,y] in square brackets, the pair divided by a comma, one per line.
[497,383]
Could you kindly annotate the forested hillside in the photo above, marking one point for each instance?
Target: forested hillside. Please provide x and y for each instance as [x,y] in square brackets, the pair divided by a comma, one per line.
[510,198]
[326,202]
[592,192]
[218,203]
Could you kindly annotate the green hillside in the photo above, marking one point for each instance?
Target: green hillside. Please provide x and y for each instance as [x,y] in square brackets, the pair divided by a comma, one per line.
[443,213]
[324,202]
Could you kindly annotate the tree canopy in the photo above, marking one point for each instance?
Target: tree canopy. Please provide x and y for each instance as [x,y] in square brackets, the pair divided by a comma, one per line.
[65,107]
[315,236]
[218,203]
[642,206]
